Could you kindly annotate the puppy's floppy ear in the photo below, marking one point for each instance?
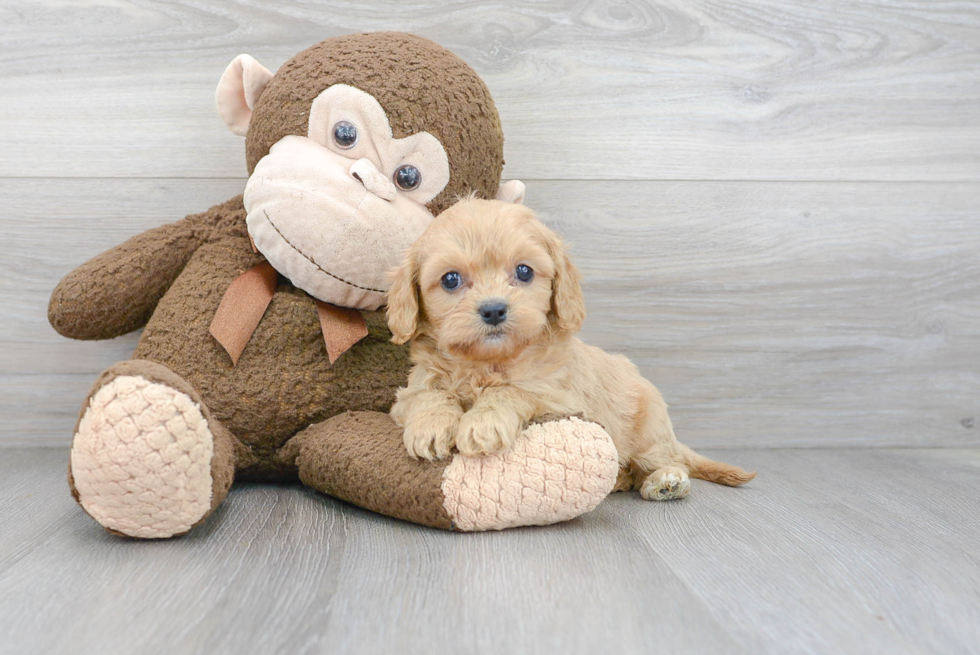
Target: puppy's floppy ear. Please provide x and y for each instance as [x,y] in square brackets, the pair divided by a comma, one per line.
[567,301]
[403,298]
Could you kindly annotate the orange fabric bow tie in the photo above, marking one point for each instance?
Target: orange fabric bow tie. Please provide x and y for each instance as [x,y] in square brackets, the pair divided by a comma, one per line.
[244,303]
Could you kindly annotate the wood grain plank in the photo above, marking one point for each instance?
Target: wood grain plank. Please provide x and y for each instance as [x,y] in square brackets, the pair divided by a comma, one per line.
[794,314]
[593,89]
[858,551]
[35,502]
[805,314]
[295,571]
[826,551]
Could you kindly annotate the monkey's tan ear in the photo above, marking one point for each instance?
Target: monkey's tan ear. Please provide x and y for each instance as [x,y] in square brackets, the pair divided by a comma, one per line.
[403,299]
[512,191]
[238,90]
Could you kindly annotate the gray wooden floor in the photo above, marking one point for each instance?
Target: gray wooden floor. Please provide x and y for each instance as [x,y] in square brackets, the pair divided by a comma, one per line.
[830,550]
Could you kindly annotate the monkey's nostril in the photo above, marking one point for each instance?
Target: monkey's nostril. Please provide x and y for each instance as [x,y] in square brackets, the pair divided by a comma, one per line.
[493,313]
[365,172]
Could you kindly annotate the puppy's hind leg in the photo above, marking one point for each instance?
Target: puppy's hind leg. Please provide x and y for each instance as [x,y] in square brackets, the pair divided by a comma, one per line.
[662,465]
[666,483]
[659,469]
[660,475]
[673,464]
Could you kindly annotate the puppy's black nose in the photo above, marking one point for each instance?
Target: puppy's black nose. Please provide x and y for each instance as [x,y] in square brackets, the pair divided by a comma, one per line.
[493,313]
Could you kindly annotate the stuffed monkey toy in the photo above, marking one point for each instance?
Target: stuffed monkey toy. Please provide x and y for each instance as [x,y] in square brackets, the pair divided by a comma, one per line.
[265,353]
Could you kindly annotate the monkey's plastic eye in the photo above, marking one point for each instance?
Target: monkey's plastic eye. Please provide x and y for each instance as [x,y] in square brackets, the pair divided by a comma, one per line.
[345,134]
[408,177]
[451,281]
[525,273]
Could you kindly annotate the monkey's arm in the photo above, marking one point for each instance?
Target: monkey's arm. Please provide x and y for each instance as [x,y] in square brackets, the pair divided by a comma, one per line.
[116,292]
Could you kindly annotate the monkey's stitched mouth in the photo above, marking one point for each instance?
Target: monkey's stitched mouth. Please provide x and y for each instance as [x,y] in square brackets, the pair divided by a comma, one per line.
[313,261]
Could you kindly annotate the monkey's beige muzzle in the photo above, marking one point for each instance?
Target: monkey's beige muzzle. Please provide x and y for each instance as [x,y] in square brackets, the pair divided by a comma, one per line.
[322,228]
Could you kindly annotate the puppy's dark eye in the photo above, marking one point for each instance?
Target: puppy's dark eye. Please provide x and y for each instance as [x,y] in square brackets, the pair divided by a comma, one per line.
[451,281]
[525,273]
[345,135]
[408,177]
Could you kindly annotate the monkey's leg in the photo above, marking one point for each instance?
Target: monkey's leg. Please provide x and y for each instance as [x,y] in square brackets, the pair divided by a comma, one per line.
[148,459]
[555,471]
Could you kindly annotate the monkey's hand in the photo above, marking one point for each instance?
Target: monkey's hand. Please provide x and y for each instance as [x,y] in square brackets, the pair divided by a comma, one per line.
[116,292]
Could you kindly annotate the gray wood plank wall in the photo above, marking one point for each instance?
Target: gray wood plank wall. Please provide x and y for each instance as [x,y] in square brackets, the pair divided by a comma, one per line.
[776,204]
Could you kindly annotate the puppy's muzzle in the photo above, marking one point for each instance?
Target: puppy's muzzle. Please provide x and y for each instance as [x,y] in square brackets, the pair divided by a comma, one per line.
[493,312]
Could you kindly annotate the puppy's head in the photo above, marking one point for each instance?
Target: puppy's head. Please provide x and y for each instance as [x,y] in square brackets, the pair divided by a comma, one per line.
[485,280]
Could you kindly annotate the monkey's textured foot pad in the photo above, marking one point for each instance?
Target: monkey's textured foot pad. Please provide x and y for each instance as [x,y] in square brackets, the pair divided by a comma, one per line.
[554,472]
[141,459]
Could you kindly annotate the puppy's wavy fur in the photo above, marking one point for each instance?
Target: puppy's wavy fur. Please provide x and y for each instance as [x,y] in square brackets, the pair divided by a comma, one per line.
[475,386]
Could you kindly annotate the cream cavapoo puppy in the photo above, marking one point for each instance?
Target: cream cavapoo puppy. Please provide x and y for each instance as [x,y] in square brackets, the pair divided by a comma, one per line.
[491,303]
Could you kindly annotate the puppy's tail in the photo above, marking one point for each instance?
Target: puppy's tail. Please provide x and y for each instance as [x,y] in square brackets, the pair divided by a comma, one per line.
[703,468]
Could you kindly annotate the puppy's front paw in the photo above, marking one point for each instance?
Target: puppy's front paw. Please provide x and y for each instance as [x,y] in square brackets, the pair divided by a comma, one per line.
[431,434]
[666,483]
[484,432]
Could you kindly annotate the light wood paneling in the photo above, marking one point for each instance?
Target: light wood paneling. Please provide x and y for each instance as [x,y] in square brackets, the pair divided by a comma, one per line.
[855,551]
[784,314]
[603,89]
[801,313]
